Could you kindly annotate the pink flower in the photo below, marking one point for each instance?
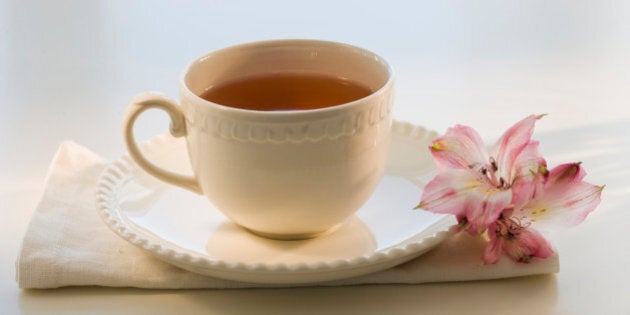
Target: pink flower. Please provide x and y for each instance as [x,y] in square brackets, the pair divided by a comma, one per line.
[476,185]
[560,196]
[507,190]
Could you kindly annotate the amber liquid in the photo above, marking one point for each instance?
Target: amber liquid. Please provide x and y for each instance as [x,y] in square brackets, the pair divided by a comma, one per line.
[286,91]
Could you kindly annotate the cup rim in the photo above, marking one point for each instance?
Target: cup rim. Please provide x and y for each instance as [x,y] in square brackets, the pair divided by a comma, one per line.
[228,109]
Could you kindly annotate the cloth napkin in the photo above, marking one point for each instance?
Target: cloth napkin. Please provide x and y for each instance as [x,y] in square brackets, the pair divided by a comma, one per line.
[67,244]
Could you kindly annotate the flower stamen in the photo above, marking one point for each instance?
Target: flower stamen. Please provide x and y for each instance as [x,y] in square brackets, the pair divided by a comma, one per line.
[494,165]
[490,172]
[510,228]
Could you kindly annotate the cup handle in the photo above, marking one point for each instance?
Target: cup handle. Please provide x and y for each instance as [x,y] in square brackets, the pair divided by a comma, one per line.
[144,102]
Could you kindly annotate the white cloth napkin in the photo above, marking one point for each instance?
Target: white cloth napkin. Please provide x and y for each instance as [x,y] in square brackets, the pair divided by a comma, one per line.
[67,244]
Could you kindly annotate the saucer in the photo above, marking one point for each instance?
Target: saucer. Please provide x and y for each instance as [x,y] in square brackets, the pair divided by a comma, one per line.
[186,230]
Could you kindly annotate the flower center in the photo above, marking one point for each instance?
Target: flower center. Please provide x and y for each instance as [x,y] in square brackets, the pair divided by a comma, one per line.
[491,172]
[510,228]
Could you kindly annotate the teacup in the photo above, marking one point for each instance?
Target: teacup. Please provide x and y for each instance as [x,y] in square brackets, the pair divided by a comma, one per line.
[282,174]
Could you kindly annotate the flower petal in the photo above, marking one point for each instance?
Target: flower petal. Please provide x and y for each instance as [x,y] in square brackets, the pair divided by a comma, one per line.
[511,143]
[529,168]
[448,191]
[564,199]
[568,172]
[460,148]
[484,206]
[492,252]
[527,245]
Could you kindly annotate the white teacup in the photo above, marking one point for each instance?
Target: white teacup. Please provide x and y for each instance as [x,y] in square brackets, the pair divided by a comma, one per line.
[281,174]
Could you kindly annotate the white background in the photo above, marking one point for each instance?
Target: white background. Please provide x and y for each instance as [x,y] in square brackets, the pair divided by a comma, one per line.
[68,69]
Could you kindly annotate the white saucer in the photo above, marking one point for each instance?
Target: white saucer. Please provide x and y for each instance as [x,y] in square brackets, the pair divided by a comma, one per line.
[186,230]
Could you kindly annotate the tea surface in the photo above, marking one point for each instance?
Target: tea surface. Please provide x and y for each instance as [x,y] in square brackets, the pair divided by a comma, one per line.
[286,91]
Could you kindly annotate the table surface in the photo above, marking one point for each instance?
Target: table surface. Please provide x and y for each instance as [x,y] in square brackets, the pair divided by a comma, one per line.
[69,68]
